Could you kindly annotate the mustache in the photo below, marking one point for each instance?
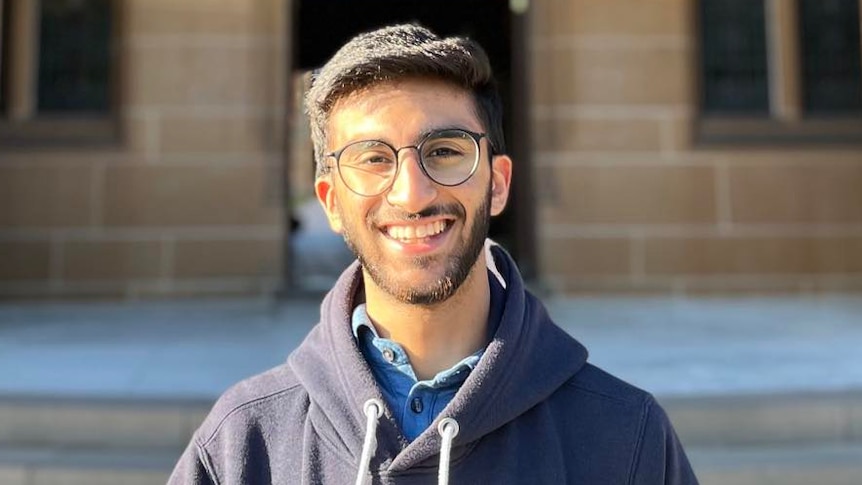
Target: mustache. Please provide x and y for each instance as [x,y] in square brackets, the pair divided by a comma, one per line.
[389,215]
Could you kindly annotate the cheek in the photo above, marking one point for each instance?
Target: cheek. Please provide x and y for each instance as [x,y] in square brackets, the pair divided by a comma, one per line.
[472,201]
[355,213]
[476,188]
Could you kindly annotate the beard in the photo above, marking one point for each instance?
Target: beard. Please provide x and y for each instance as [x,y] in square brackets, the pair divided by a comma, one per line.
[457,265]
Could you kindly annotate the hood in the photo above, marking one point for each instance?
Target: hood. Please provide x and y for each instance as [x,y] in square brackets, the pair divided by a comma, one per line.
[528,358]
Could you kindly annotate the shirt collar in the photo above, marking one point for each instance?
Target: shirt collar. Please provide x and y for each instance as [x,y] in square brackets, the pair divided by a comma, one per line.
[360,320]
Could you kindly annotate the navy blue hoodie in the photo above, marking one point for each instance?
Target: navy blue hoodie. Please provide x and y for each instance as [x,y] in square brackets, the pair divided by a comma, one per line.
[532,411]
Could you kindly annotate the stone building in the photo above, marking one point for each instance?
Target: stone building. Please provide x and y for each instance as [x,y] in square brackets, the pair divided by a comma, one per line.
[157,148]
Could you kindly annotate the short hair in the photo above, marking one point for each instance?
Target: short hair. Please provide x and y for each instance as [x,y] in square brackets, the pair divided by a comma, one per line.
[401,52]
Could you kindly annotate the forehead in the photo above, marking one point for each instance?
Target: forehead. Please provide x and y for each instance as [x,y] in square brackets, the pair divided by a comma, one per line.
[399,112]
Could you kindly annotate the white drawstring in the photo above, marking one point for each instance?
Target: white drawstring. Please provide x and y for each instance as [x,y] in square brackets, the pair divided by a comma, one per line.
[448,429]
[373,409]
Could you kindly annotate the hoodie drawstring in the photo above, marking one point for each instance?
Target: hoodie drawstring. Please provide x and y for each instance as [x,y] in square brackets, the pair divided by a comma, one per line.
[373,409]
[448,429]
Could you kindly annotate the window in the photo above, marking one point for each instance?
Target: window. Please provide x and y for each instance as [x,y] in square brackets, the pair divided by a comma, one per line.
[56,72]
[780,71]
[735,78]
[831,77]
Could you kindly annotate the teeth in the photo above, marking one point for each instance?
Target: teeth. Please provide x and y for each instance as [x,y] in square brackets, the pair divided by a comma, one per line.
[405,233]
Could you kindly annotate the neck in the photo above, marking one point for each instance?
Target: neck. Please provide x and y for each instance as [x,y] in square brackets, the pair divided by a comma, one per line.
[438,336]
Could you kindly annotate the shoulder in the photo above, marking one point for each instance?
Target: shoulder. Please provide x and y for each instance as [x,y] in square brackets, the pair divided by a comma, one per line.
[618,417]
[276,392]
[593,380]
[612,401]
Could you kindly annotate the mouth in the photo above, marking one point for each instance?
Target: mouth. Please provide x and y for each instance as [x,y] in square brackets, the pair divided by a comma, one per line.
[417,232]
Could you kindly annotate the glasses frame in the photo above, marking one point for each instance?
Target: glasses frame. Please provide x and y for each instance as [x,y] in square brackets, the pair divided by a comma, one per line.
[476,137]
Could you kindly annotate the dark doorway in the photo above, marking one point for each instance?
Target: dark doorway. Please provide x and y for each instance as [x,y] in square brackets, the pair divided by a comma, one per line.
[320,27]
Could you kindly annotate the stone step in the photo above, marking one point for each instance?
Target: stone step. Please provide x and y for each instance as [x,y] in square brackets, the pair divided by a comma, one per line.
[769,419]
[60,466]
[94,423]
[823,465]
[797,465]
[766,439]
[702,421]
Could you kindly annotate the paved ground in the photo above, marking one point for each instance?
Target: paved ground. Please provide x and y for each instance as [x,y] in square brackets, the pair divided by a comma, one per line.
[195,349]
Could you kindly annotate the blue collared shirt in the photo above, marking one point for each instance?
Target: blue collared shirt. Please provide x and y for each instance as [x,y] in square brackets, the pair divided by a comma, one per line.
[414,403]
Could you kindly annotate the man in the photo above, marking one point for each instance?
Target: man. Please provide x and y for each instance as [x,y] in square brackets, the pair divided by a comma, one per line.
[431,363]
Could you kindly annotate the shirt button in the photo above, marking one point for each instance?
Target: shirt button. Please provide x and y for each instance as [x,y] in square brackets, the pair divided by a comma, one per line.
[416,405]
[388,355]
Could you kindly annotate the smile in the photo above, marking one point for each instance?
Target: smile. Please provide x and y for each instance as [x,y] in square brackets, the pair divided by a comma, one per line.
[416,232]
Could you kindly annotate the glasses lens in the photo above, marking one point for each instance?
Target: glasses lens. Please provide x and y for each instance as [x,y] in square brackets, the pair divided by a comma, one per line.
[449,156]
[367,166]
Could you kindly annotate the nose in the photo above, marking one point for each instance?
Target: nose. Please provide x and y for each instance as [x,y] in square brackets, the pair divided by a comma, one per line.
[411,190]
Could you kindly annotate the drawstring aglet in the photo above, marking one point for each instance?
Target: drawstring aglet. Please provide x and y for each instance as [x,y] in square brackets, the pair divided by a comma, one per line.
[448,429]
[373,409]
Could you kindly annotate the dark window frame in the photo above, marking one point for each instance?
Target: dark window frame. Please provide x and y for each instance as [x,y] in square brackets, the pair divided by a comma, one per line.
[819,60]
[722,61]
[69,130]
[775,128]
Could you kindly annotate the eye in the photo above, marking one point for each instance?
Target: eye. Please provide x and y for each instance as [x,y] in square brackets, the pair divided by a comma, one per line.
[375,159]
[368,156]
[443,151]
[447,150]
[372,163]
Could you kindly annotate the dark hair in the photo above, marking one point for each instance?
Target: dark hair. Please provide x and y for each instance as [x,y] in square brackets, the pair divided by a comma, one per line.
[403,52]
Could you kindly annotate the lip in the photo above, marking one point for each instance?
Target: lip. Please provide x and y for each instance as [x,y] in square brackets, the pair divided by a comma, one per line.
[418,246]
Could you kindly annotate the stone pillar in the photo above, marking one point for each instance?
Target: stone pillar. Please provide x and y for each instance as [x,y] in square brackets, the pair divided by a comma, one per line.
[23,59]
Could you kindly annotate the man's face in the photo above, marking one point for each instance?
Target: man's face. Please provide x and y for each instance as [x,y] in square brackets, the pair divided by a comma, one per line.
[417,241]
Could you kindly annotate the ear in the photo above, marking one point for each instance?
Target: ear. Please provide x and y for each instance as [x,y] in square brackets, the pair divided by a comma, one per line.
[501,179]
[325,191]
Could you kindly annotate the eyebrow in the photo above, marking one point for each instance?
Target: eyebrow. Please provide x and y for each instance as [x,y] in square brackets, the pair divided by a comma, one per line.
[424,133]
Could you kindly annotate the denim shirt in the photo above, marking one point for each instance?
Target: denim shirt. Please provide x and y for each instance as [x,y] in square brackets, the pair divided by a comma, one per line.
[414,404]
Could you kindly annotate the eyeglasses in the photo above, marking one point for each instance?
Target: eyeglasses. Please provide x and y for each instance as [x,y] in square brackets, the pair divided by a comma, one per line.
[448,157]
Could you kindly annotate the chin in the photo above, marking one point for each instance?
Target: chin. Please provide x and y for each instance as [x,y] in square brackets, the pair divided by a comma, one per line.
[428,286]
[428,294]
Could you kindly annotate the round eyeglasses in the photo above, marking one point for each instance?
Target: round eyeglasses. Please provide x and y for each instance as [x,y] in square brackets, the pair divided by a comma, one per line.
[448,157]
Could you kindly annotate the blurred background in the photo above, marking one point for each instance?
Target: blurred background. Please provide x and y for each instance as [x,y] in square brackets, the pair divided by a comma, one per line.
[687,198]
